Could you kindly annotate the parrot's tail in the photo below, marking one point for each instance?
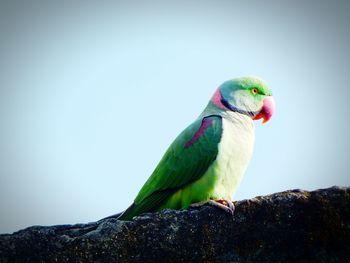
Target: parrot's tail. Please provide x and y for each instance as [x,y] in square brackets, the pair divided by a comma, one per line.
[130,212]
[150,204]
[112,216]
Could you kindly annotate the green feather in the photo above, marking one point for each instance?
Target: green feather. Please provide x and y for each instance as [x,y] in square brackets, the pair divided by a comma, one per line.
[179,167]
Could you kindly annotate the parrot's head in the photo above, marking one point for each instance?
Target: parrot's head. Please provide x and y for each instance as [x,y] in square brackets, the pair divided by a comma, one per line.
[246,95]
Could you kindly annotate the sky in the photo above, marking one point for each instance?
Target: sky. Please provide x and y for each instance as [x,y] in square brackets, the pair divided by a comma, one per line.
[93,93]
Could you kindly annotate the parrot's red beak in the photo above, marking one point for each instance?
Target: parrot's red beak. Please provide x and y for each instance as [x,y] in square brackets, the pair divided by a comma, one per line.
[267,110]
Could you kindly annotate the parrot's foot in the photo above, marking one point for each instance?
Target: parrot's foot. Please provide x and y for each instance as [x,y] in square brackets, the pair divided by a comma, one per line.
[224,204]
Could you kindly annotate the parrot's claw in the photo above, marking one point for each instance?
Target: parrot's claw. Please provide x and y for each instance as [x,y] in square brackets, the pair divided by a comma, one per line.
[224,204]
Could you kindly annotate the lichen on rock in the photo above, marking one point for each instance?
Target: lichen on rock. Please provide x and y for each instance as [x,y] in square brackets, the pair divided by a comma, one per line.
[292,226]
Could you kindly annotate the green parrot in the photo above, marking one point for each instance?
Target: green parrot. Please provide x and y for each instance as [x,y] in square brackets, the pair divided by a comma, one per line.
[206,162]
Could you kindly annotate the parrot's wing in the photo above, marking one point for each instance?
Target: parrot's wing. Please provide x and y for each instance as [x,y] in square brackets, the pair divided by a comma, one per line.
[186,160]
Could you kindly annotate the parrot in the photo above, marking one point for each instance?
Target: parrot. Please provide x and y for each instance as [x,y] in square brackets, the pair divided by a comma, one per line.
[207,160]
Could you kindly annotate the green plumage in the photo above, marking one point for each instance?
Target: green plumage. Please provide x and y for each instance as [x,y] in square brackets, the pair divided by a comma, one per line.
[180,166]
[207,161]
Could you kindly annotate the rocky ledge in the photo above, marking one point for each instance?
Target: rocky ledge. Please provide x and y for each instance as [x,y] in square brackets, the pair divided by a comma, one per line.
[291,226]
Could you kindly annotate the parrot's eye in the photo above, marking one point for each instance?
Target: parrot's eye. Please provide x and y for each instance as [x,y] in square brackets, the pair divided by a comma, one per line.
[254,91]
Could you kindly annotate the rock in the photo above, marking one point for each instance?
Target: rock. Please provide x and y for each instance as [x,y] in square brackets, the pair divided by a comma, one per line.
[292,226]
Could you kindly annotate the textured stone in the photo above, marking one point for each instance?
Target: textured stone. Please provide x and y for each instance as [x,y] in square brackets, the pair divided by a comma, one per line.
[292,226]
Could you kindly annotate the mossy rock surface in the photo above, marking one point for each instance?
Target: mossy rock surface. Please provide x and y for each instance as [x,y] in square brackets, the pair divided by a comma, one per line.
[291,226]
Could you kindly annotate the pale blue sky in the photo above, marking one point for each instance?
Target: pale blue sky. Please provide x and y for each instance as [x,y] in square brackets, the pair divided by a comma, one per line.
[93,94]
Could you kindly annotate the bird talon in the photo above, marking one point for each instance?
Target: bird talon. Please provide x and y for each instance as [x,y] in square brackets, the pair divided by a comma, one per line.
[224,204]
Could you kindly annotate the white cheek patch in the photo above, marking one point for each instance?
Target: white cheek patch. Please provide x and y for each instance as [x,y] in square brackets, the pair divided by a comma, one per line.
[244,101]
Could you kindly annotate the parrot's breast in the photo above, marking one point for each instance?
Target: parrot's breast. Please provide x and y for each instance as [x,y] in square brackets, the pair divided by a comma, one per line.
[224,175]
[235,151]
